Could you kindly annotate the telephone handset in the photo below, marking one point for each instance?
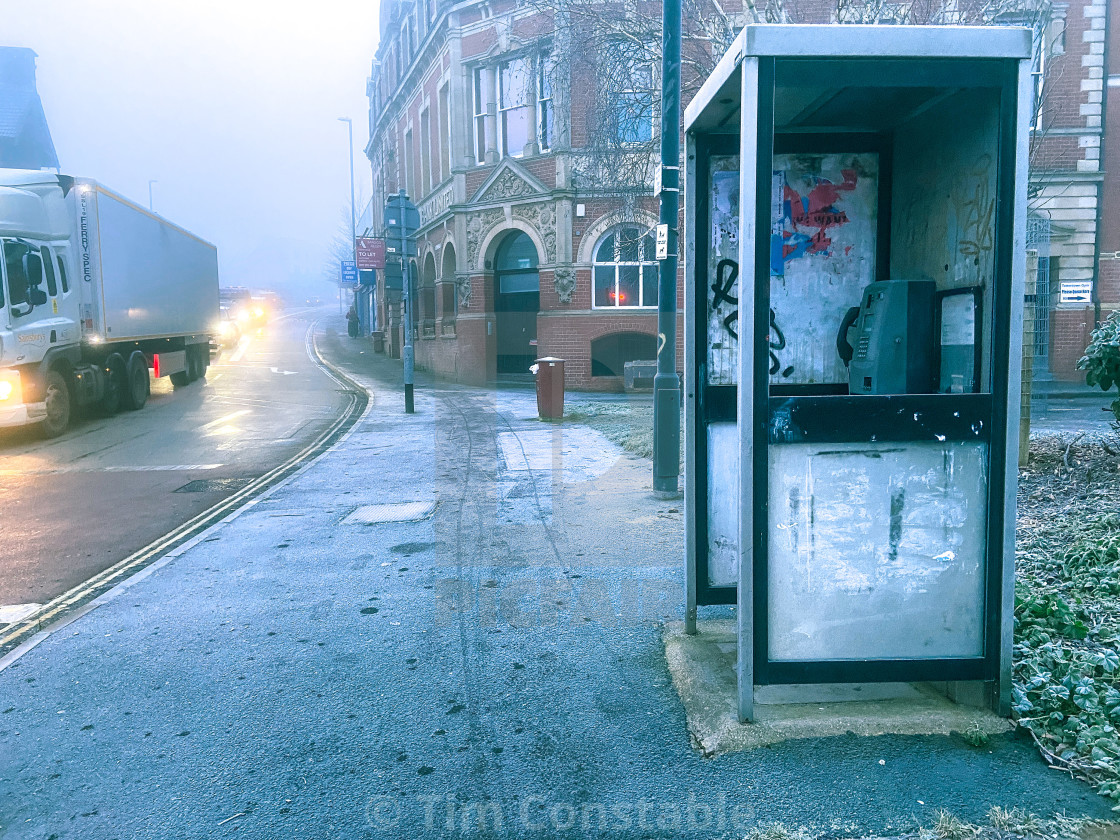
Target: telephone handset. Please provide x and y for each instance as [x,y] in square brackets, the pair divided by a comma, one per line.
[843,348]
[894,351]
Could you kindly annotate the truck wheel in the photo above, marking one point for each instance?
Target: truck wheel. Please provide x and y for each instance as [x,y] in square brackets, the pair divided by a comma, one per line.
[56,395]
[114,385]
[182,378]
[135,393]
[194,363]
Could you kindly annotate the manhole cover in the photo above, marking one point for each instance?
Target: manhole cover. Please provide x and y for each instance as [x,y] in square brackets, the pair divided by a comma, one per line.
[213,485]
[390,512]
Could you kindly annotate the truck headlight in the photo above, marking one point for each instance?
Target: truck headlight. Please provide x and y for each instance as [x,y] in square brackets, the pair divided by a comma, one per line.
[10,389]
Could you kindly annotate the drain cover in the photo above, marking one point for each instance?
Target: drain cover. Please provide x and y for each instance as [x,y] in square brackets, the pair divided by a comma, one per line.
[213,485]
[390,512]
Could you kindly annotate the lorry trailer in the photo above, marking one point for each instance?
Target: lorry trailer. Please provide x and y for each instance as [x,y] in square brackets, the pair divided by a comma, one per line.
[97,294]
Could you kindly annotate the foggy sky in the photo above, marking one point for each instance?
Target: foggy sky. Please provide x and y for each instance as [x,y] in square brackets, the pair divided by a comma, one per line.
[231,105]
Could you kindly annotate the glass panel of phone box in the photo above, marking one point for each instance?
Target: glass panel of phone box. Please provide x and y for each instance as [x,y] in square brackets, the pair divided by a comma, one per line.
[882,264]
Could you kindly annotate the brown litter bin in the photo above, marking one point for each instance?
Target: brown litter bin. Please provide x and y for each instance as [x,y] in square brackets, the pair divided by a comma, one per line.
[550,388]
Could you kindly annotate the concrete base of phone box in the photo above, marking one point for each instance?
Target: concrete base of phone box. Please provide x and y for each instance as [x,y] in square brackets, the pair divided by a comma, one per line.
[703,671]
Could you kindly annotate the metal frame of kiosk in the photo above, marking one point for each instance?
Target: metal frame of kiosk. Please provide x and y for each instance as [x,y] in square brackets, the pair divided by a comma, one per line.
[851,469]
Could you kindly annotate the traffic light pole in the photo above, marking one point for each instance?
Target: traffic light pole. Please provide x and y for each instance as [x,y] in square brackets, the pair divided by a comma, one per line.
[666,385]
[406,353]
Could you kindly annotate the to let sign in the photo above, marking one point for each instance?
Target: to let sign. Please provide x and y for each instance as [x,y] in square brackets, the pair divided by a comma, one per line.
[370,253]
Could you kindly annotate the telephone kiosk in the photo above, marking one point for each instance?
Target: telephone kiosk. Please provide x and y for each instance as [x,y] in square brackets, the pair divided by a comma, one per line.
[855,209]
[907,342]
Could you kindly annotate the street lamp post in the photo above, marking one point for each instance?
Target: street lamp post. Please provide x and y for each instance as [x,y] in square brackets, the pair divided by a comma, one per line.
[353,221]
[152,181]
[666,386]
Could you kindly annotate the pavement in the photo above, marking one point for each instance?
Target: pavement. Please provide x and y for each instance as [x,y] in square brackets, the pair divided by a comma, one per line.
[492,668]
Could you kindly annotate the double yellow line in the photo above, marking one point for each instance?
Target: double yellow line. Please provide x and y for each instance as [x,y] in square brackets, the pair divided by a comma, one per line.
[57,609]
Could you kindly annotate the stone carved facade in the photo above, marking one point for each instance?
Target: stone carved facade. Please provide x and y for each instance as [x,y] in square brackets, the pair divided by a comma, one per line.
[474,186]
[564,281]
[506,186]
[463,289]
[543,218]
[478,225]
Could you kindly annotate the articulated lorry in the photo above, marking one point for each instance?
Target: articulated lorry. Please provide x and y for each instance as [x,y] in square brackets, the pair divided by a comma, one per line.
[96,295]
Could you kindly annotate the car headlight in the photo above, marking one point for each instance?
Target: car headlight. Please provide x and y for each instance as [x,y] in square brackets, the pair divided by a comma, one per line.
[10,388]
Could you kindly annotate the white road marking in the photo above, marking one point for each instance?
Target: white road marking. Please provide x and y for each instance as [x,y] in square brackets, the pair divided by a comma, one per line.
[285,372]
[223,420]
[11,613]
[242,349]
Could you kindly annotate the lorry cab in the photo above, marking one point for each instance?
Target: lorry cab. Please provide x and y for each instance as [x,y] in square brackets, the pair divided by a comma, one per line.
[39,299]
[95,293]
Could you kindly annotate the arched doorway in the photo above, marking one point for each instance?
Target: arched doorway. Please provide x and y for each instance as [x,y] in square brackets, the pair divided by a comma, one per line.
[517,299]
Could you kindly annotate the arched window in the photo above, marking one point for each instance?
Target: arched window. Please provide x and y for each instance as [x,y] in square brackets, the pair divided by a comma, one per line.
[428,289]
[625,272]
[450,298]
[414,293]
[610,353]
[516,265]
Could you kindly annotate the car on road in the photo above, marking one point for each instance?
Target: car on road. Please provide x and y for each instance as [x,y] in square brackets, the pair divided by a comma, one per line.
[229,330]
[249,312]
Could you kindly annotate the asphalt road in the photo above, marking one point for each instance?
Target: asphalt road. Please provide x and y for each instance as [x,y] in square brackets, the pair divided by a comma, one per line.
[76,505]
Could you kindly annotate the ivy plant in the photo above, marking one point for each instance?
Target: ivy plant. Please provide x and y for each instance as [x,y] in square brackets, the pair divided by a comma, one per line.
[1101,361]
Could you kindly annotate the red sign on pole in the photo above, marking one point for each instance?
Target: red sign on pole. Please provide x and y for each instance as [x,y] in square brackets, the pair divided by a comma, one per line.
[370,253]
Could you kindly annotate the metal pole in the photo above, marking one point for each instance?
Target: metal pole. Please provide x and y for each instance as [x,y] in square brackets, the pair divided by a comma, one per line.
[150,207]
[406,275]
[353,220]
[666,386]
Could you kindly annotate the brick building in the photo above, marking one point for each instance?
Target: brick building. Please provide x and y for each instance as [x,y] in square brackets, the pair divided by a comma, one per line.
[1108,265]
[531,244]
[495,121]
[1069,224]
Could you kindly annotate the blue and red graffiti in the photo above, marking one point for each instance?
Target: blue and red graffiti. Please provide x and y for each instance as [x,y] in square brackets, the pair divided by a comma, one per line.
[803,227]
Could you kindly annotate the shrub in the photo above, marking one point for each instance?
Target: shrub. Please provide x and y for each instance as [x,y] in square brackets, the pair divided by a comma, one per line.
[1101,361]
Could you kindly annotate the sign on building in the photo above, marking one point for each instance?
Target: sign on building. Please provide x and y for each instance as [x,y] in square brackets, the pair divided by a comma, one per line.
[349,272]
[370,253]
[1076,291]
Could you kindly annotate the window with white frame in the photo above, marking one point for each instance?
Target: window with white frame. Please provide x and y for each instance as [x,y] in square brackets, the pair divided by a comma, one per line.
[1047,39]
[545,116]
[409,165]
[515,105]
[425,152]
[1039,49]
[630,95]
[624,272]
[479,115]
[444,132]
[525,110]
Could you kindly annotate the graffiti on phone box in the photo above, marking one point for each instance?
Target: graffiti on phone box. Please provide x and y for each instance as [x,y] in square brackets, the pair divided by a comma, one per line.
[727,272]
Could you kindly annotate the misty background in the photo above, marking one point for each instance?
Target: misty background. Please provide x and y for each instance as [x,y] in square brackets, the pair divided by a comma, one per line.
[231,106]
